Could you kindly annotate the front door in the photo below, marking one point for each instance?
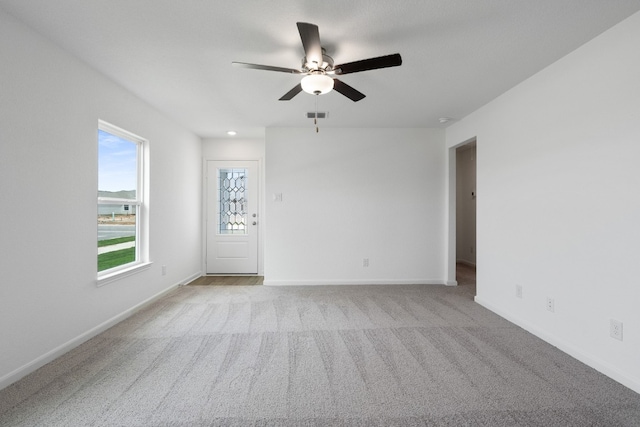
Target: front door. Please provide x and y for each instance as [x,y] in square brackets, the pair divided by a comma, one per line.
[232,217]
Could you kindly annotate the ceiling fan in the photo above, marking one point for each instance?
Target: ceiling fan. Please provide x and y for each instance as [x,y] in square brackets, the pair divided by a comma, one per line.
[318,67]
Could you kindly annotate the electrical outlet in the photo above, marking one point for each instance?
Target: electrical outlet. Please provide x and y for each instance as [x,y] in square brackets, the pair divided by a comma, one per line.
[551,305]
[365,262]
[164,270]
[518,291]
[615,329]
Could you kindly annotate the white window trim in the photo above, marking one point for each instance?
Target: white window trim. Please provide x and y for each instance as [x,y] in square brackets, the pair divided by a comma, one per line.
[131,269]
[141,262]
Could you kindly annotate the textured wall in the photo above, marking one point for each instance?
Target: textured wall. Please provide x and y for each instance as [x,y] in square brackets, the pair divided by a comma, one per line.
[49,112]
[351,194]
[558,202]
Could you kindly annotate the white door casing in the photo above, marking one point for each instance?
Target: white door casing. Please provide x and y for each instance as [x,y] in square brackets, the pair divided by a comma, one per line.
[232,217]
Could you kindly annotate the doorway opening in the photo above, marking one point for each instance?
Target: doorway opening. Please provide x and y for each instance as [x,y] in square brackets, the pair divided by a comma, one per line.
[462,259]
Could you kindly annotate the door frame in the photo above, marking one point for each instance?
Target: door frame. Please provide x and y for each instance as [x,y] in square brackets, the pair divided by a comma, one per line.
[451,257]
[205,195]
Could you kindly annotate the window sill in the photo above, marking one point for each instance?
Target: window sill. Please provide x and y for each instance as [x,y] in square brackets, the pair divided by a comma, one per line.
[120,274]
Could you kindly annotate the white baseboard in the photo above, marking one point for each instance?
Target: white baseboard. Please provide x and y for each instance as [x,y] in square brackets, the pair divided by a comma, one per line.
[191,278]
[352,282]
[49,356]
[597,364]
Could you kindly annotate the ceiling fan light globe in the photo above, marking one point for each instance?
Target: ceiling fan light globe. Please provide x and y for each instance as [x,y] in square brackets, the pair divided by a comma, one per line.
[317,84]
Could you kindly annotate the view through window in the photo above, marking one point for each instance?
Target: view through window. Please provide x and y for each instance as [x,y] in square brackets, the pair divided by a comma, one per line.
[119,198]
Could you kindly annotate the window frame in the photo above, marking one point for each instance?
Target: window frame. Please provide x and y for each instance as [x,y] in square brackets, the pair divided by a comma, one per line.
[141,261]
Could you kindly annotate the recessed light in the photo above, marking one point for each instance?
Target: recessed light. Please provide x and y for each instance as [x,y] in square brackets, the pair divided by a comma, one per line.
[232,133]
[444,119]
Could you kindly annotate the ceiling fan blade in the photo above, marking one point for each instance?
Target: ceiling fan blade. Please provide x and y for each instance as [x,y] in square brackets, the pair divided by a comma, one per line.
[348,91]
[310,37]
[369,64]
[293,92]
[266,67]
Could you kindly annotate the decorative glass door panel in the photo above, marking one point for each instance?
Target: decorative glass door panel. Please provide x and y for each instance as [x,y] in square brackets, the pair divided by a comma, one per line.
[232,201]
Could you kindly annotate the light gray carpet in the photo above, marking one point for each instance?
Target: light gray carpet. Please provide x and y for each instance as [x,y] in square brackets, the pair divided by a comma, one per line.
[317,356]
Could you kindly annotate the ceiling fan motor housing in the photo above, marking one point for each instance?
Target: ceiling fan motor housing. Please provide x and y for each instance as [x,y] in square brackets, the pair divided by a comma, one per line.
[326,66]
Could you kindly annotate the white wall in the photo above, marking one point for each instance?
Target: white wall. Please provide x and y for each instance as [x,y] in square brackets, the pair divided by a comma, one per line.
[49,111]
[237,148]
[350,194]
[233,148]
[558,201]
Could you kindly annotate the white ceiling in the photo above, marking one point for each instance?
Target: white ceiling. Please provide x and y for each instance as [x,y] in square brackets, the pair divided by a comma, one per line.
[457,54]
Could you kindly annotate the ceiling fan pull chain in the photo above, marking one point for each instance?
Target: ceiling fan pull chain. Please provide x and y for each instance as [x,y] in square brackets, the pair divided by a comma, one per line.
[315,119]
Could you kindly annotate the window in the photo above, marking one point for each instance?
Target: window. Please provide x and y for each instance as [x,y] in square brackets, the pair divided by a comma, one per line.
[121,245]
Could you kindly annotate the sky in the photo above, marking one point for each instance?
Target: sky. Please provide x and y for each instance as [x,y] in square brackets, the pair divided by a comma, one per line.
[117,163]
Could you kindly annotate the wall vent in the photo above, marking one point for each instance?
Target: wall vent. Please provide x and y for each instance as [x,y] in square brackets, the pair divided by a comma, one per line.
[321,114]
